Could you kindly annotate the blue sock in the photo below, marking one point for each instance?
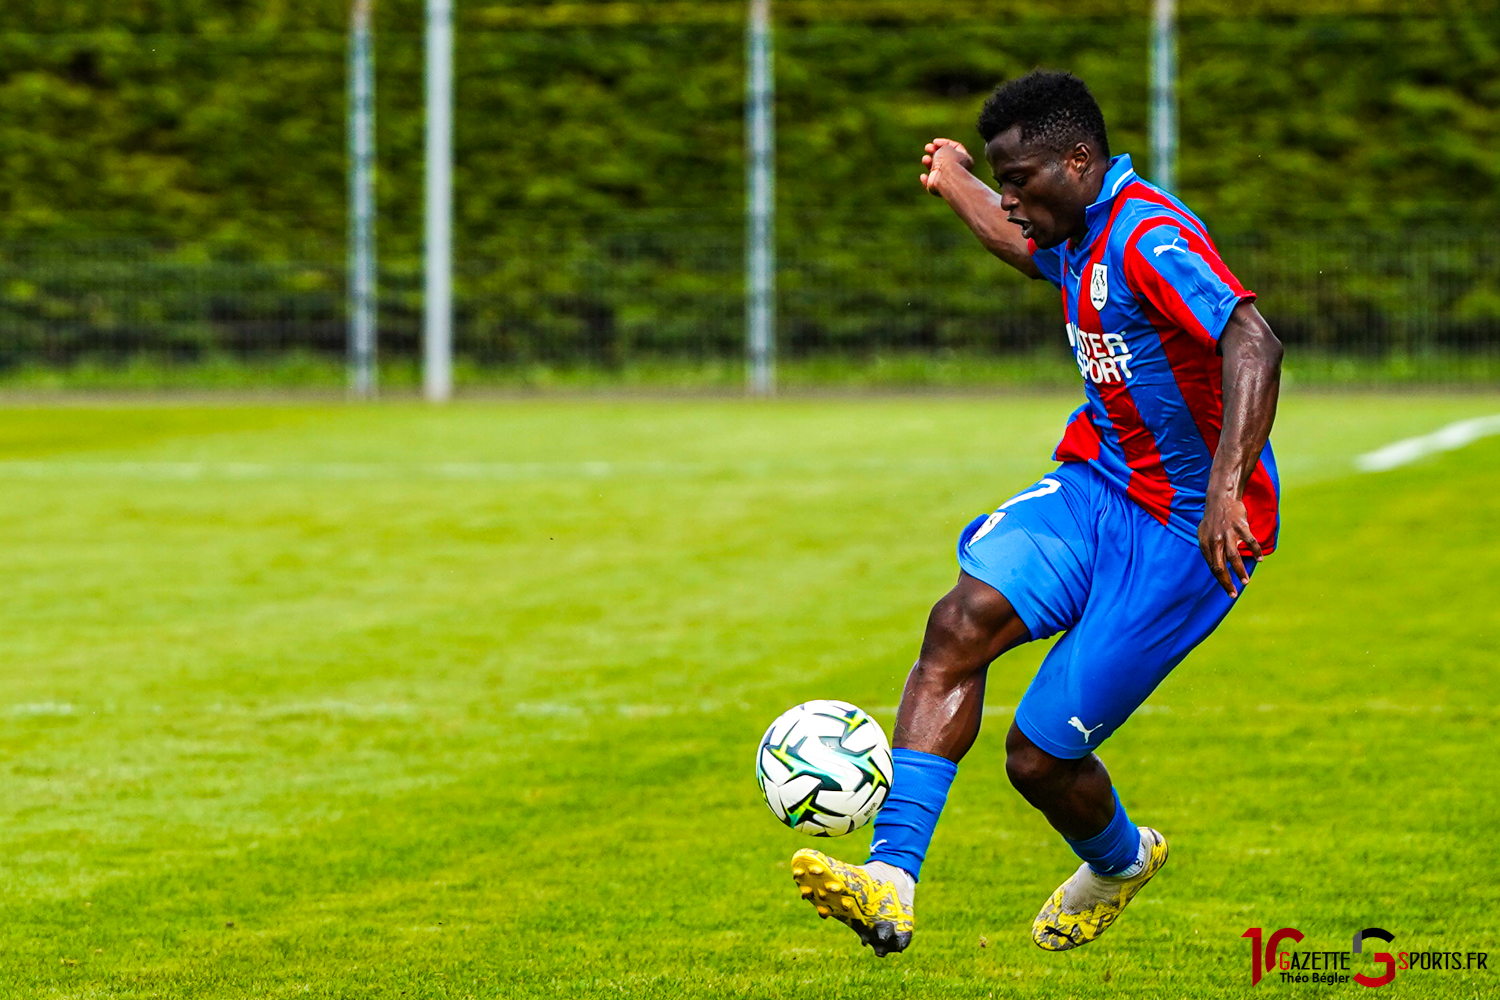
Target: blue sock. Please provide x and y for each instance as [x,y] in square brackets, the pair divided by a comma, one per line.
[1113,850]
[903,829]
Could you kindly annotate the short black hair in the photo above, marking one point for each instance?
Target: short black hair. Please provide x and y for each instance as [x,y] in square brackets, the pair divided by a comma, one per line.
[1052,108]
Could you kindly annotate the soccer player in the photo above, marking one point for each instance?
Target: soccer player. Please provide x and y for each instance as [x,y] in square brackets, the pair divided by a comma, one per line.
[1135,547]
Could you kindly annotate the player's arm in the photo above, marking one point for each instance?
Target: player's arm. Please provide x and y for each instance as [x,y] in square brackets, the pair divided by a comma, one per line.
[1252,382]
[950,176]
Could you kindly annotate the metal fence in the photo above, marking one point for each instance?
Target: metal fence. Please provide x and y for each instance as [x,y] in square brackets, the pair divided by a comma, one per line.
[113,301]
[607,297]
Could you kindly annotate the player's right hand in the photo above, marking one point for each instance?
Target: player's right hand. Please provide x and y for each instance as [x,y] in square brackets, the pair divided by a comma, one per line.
[943,157]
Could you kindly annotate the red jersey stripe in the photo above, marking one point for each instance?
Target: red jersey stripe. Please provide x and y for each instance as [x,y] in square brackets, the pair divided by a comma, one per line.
[1080,442]
[1200,383]
[1149,485]
[1261,509]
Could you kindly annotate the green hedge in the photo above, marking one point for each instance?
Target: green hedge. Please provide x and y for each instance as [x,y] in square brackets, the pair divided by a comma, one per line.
[1349,154]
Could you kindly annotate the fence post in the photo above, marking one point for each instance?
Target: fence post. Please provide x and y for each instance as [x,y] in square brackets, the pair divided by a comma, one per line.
[1164,94]
[760,202]
[437,327]
[361,262]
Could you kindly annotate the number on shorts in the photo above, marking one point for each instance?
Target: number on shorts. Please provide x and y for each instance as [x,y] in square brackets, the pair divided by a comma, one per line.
[1044,488]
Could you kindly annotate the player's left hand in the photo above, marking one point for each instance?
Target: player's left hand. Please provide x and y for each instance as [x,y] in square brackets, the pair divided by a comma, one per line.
[1223,528]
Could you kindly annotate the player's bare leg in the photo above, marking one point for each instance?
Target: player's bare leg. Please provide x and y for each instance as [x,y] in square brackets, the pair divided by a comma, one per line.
[939,717]
[943,700]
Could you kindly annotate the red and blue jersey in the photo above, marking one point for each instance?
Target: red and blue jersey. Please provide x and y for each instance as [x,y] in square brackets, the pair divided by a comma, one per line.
[1146,297]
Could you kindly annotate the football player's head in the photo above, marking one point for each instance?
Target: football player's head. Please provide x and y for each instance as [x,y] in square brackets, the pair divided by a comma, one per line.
[1044,138]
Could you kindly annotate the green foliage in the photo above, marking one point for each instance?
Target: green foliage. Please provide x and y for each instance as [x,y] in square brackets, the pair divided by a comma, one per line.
[214,129]
[223,121]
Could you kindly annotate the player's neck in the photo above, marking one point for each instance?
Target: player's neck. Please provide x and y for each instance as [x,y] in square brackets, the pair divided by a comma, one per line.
[1093,183]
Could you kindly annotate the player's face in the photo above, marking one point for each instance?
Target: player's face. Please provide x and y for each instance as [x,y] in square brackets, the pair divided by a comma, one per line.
[1043,191]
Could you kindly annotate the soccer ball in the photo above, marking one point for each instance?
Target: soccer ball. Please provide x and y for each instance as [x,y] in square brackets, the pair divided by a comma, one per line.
[825,768]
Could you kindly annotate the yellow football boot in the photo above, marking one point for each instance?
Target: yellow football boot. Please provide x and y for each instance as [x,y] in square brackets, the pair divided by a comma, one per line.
[1085,905]
[851,895]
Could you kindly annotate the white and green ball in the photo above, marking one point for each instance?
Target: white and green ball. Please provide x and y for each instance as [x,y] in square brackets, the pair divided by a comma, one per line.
[825,768]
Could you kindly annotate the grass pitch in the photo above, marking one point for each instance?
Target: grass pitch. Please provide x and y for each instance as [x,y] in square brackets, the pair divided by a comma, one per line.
[392,701]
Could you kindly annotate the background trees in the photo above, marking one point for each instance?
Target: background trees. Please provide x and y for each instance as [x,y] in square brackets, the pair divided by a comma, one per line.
[214,129]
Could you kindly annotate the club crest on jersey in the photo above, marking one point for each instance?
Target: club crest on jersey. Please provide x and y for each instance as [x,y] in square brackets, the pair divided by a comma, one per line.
[1099,286]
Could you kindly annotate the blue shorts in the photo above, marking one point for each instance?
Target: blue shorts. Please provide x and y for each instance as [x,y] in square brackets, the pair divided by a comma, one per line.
[1074,554]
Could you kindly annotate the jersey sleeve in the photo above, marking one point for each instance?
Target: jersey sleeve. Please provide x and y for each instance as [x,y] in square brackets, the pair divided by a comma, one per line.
[1048,261]
[1177,274]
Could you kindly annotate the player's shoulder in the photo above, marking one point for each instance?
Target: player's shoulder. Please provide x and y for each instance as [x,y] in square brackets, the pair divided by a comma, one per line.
[1149,213]
[1151,223]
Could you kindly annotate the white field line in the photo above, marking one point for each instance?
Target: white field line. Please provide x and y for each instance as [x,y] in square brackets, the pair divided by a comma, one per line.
[44,708]
[1449,438]
[1455,435]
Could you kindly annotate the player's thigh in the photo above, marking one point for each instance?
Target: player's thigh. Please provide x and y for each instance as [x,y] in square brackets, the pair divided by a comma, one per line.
[971,625]
[1152,603]
[1038,550]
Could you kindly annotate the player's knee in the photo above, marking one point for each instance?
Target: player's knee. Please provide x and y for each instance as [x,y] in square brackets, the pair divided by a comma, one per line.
[1030,768]
[969,620]
[953,623]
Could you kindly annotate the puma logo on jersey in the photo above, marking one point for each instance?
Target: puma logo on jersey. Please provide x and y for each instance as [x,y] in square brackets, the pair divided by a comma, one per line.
[1077,724]
[1174,245]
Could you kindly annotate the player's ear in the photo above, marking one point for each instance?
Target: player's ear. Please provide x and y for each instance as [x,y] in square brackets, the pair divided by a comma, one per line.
[1080,157]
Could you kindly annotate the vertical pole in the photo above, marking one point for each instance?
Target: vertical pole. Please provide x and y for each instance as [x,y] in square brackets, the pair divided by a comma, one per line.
[362,299]
[1164,94]
[760,202]
[437,327]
